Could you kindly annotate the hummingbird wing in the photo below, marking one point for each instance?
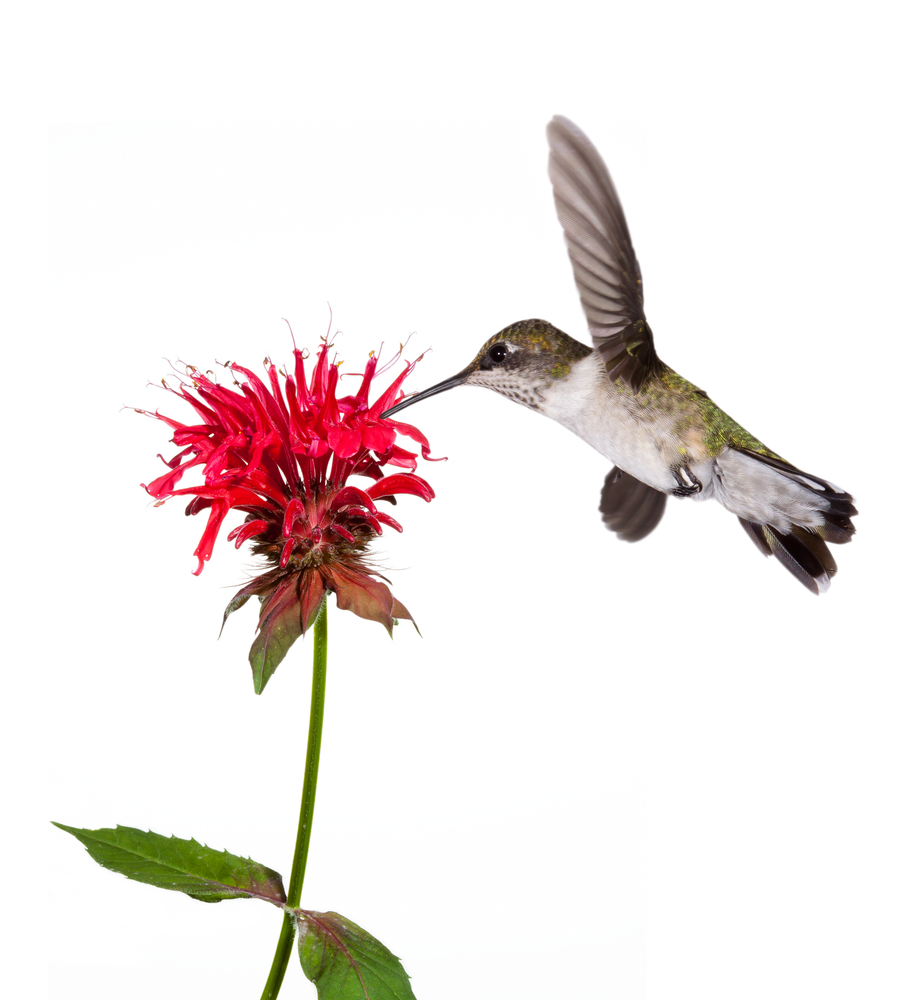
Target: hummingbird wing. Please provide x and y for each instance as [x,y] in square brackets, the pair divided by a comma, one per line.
[629,507]
[606,268]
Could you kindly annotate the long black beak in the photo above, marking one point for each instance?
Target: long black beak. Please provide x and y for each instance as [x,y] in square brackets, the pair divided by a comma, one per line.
[448,383]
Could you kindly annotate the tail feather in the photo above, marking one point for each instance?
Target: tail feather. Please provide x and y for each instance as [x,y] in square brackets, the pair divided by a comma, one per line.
[837,527]
[817,548]
[757,535]
[787,513]
[802,552]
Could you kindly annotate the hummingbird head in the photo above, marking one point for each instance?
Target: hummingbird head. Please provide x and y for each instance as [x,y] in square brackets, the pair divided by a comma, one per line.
[519,362]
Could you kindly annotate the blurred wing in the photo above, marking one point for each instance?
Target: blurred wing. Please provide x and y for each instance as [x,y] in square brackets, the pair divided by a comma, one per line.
[629,507]
[606,268]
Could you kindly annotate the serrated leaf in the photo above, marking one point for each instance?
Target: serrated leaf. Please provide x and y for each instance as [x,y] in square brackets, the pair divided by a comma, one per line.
[347,963]
[181,865]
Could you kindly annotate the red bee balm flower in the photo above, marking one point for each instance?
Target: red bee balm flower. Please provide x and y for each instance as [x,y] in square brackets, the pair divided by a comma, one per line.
[282,453]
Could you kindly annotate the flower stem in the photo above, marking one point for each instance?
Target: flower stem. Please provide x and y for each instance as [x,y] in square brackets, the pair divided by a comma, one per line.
[307,805]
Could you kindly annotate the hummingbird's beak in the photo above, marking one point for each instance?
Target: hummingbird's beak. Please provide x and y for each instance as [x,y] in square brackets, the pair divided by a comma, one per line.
[448,383]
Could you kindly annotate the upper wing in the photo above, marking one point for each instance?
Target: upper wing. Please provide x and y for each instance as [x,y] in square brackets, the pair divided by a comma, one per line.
[606,268]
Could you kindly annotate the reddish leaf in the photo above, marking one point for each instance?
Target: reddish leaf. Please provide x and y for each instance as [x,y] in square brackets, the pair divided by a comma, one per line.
[347,963]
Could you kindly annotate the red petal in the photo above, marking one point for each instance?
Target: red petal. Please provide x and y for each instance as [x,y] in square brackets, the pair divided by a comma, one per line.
[377,437]
[407,430]
[371,518]
[316,448]
[351,495]
[293,509]
[389,396]
[363,392]
[343,532]
[236,496]
[401,482]
[244,531]
[400,456]
[286,552]
[175,461]
[164,484]
[344,443]
[208,538]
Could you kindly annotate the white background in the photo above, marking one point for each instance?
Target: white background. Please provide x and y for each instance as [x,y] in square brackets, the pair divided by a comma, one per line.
[605,770]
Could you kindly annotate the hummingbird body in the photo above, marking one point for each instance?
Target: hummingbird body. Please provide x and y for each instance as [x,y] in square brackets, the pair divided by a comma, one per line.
[665,436]
[669,435]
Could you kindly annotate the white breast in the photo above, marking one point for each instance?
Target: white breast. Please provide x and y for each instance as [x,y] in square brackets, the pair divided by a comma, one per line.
[611,422]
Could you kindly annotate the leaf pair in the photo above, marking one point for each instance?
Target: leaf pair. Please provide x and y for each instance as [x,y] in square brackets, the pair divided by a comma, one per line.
[344,961]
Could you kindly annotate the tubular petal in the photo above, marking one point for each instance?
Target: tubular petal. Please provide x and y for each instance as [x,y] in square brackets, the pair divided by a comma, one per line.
[390,521]
[293,509]
[240,534]
[354,495]
[286,552]
[407,430]
[343,532]
[343,442]
[401,482]
[208,538]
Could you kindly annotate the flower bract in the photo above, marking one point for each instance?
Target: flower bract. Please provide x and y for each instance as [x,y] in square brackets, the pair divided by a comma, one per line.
[280,448]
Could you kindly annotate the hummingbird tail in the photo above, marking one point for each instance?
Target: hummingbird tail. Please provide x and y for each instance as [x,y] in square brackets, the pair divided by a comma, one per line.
[787,513]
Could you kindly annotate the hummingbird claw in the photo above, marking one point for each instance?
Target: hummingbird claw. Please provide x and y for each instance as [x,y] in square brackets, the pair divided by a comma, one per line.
[688,483]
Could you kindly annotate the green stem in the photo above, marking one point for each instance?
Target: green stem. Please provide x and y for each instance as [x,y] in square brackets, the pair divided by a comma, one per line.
[307,805]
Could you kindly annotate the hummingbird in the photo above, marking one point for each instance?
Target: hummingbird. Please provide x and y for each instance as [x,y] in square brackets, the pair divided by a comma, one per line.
[664,435]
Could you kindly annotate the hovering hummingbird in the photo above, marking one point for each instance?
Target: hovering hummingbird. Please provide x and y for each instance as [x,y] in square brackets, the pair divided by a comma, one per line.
[665,436]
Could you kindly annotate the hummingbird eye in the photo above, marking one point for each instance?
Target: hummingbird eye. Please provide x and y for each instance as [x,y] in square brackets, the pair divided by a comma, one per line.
[497,353]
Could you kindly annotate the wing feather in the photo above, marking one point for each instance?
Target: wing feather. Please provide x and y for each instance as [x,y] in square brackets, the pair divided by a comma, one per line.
[629,507]
[606,269]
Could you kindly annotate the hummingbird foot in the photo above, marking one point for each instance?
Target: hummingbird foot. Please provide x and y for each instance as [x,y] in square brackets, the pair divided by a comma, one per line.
[688,483]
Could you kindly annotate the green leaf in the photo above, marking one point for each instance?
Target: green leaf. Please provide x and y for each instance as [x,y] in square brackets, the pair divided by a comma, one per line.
[181,865]
[346,962]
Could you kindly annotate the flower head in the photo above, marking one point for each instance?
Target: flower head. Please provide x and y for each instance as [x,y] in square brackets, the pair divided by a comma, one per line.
[281,449]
